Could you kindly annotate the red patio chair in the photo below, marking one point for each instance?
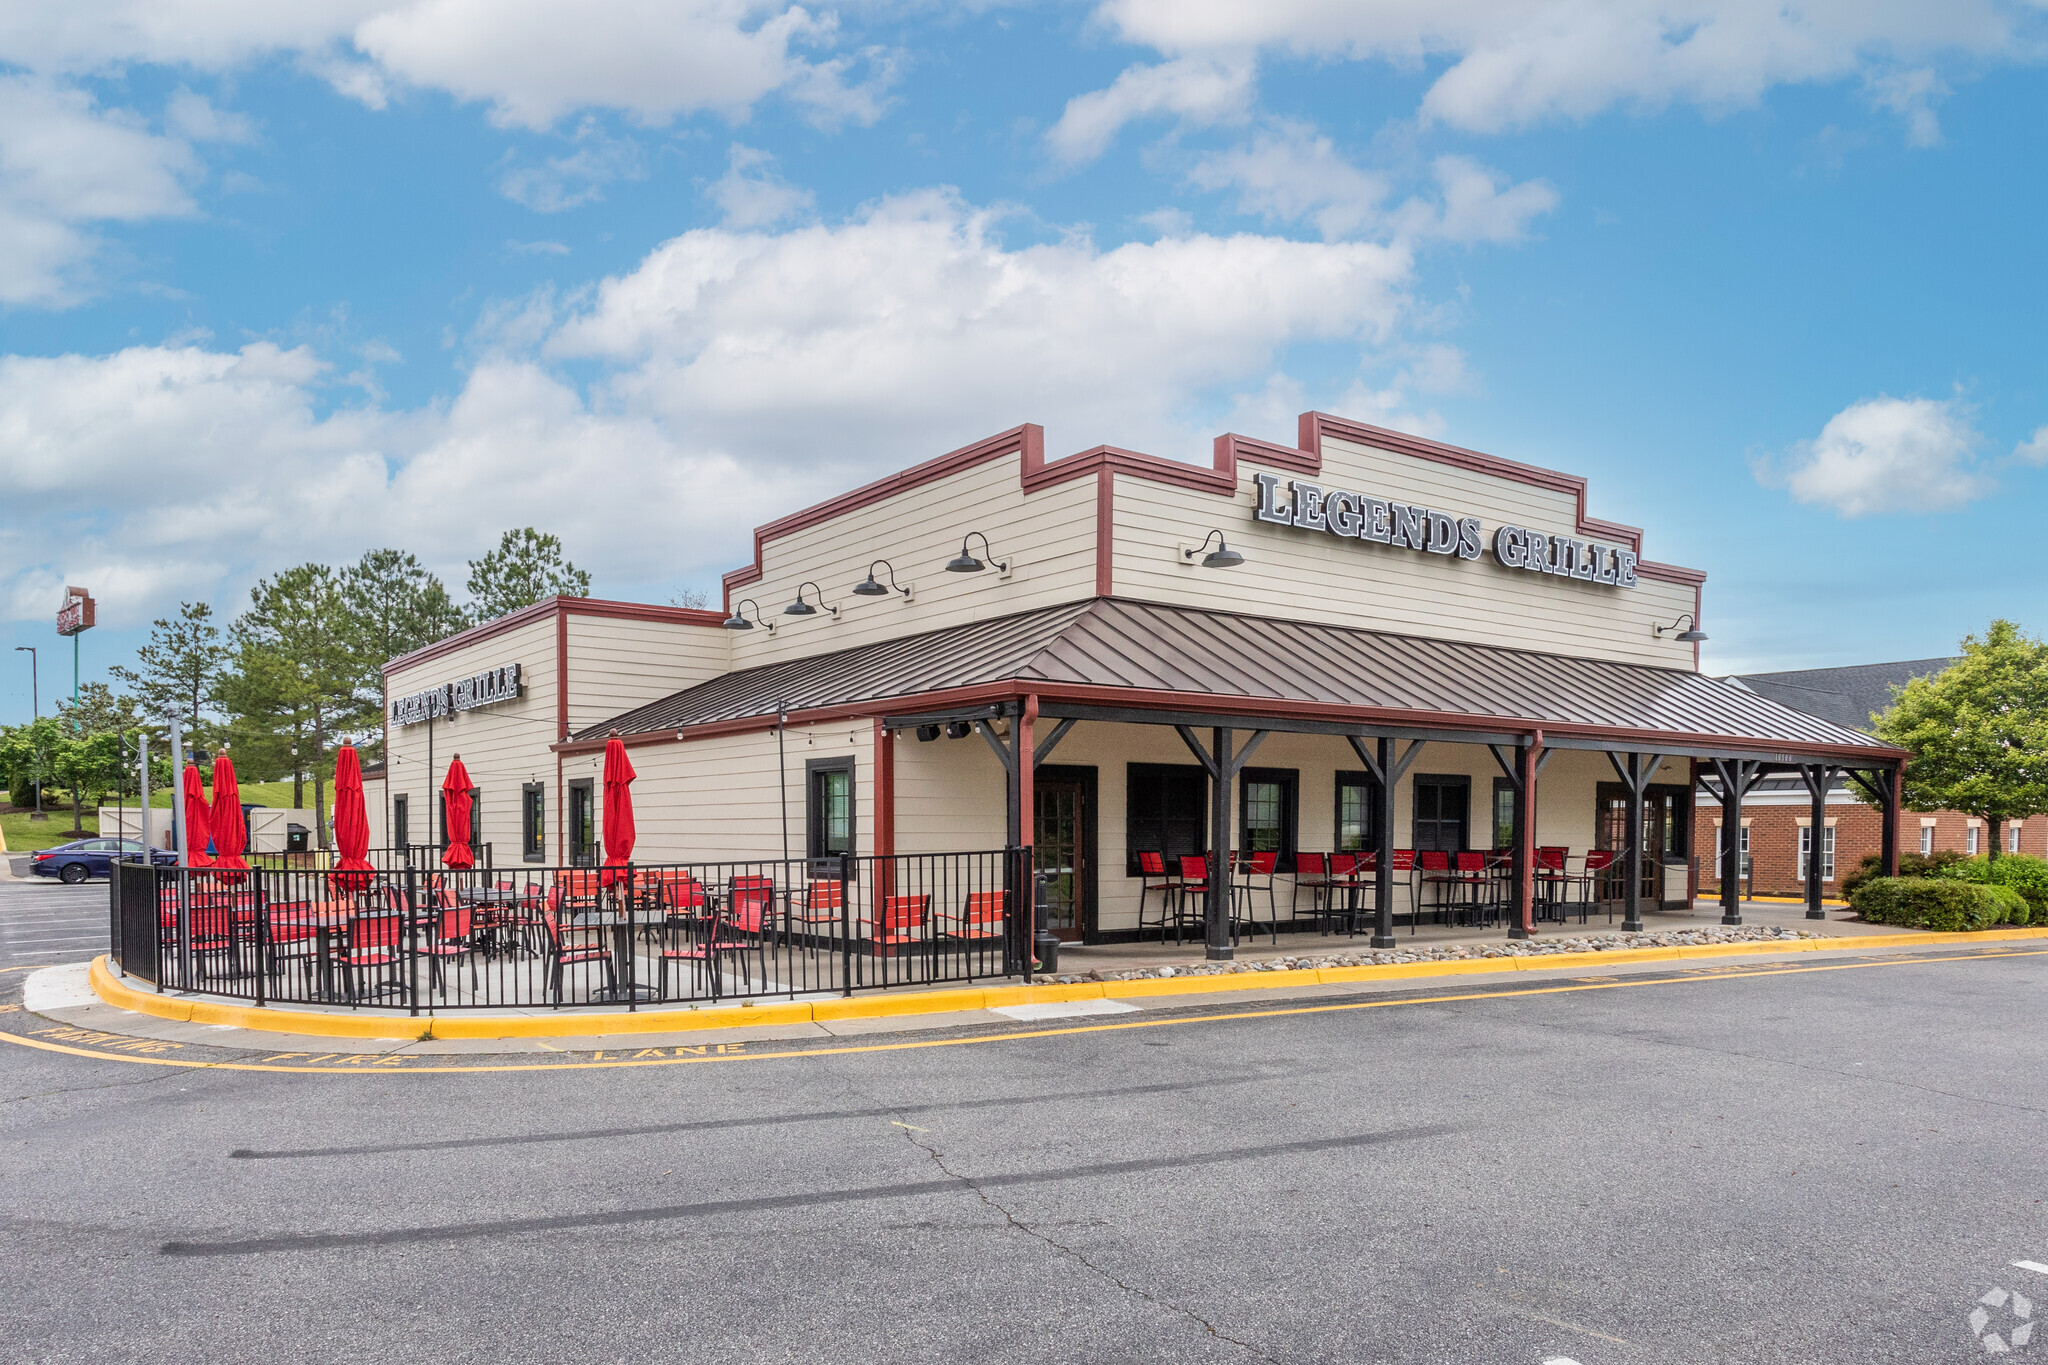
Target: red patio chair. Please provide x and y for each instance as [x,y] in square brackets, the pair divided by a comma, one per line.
[564,951]
[823,902]
[1242,889]
[452,935]
[691,938]
[1194,880]
[1311,873]
[902,920]
[372,941]
[1153,876]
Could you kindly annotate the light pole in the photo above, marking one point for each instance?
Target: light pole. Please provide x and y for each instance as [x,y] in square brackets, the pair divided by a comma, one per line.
[35,686]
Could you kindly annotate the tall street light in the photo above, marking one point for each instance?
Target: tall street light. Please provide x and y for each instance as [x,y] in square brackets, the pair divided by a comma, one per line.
[34,683]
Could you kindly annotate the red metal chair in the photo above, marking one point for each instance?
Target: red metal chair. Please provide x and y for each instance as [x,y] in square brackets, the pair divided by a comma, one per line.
[1194,880]
[824,903]
[1311,873]
[451,935]
[566,952]
[372,941]
[1264,864]
[902,921]
[1433,879]
[1153,876]
[691,938]
[1473,882]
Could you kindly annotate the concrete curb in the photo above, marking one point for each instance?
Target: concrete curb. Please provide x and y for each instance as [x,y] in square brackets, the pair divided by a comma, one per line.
[113,991]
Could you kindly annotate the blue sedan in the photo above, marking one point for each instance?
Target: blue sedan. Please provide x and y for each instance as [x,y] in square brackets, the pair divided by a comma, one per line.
[81,858]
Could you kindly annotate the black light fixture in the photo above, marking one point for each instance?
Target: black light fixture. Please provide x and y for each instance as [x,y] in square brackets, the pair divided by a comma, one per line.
[1222,557]
[870,588]
[738,620]
[958,729]
[967,563]
[1692,635]
[802,608]
[927,733]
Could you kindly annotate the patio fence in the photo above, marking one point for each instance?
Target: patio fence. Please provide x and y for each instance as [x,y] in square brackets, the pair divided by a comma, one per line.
[426,939]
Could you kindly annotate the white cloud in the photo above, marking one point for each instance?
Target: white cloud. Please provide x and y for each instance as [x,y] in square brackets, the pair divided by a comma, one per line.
[2033,450]
[1516,62]
[194,118]
[1911,95]
[66,164]
[578,178]
[750,194]
[740,374]
[1199,90]
[1890,455]
[1289,172]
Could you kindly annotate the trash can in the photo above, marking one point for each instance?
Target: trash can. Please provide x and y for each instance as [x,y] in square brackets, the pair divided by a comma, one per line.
[295,838]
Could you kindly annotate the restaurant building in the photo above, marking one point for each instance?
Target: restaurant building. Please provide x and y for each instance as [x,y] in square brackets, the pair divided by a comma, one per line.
[1364,640]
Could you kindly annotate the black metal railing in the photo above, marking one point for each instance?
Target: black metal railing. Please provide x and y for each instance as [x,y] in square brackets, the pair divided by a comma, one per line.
[424,938]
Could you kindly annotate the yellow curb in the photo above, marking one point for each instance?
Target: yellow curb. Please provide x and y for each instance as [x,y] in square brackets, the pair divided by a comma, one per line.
[271,1020]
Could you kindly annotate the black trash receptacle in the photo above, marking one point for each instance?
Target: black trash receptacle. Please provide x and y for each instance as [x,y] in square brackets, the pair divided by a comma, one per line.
[295,838]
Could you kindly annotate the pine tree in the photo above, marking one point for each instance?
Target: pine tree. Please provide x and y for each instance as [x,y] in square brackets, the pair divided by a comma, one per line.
[527,567]
[180,668]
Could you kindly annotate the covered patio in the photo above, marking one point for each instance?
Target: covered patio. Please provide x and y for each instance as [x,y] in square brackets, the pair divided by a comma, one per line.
[1112,679]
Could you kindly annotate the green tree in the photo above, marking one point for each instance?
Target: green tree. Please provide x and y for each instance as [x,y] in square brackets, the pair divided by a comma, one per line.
[29,753]
[1977,730]
[179,667]
[527,567]
[294,663]
[393,606]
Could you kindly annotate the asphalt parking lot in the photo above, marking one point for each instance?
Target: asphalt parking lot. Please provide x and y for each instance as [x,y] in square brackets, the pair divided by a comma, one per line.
[43,921]
[1773,1163]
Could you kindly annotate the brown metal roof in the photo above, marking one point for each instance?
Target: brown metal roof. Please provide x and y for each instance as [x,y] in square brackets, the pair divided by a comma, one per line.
[1204,656]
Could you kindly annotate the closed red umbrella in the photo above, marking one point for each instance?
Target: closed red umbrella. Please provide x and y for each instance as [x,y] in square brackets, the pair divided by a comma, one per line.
[619,833]
[196,836]
[455,791]
[352,822]
[230,830]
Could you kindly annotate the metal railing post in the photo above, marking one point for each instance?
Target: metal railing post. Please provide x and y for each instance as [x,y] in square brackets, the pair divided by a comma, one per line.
[632,959]
[261,906]
[846,889]
[412,946]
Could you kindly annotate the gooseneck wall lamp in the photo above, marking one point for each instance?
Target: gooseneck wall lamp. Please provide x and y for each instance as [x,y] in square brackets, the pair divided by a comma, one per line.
[1222,557]
[738,620]
[967,563]
[870,588]
[1691,635]
[802,608]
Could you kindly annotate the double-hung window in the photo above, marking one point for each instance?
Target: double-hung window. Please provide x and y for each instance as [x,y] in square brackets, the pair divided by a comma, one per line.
[1269,809]
[1827,852]
[829,808]
[1358,808]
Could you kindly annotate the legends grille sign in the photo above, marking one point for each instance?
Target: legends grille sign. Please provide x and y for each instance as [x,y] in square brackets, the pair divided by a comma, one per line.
[1426,530]
[487,688]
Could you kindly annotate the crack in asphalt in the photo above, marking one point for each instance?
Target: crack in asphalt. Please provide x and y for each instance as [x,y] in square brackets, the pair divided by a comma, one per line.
[1029,1230]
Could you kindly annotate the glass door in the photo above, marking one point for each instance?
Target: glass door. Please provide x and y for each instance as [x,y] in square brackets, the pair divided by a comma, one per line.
[1061,850]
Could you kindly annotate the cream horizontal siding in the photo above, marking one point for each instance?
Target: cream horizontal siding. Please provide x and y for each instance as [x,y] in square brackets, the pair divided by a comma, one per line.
[719,799]
[1047,537]
[502,746]
[616,664]
[952,795]
[1308,575]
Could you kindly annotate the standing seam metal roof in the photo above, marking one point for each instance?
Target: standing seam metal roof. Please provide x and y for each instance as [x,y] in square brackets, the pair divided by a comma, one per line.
[1113,642]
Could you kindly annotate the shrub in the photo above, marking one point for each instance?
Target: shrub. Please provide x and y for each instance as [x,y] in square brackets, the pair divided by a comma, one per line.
[2015,871]
[1941,904]
[1910,865]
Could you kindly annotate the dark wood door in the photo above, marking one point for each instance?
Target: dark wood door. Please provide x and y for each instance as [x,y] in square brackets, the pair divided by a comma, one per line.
[1063,850]
[1667,816]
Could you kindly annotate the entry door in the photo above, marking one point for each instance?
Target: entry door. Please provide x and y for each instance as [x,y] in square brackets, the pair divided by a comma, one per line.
[1063,844]
[1666,814]
[582,825]
[1442,809]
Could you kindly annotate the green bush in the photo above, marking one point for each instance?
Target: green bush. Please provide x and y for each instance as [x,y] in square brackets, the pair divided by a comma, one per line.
[1910,865]
[2015,871]
[1942,904]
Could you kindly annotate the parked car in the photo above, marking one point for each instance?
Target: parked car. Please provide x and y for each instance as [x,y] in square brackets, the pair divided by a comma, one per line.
[82,858]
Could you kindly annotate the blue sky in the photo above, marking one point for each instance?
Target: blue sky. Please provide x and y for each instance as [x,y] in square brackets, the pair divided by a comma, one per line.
[294,282]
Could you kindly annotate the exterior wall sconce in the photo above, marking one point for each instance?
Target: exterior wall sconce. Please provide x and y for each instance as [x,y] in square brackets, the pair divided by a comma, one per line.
[967,563]
[802,608]
[738,620]
[1222,557]
[870,588]
[1692,635]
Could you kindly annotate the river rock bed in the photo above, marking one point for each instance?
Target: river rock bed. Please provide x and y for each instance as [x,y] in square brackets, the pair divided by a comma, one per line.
[1454,952]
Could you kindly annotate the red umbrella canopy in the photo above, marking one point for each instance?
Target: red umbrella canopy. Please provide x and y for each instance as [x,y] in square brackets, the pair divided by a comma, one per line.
[196,835]
[351,822]
[230,830]
[619,833]
[455,790]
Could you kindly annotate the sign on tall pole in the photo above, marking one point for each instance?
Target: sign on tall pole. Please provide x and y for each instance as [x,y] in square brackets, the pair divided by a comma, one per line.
[74,618]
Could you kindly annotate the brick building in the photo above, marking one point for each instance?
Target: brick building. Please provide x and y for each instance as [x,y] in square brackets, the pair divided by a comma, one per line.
[1777,816]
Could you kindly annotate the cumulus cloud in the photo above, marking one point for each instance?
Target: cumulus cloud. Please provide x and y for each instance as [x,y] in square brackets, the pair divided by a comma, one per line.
[575,178]
[1198,90]
[737,373]
[2033,450]
[750,194]
[1889,455]
[66,164]
[1517,62]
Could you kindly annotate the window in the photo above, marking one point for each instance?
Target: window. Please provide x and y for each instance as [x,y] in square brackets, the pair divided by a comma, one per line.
[582,824]
[829,808]
[1269,810]
[533,842]
[1358,812]
[1970,841]
[1827,852]
[1164,812]
[2012,837]
[1926,840]
[1720,847]
[1503,813]
[401,822]
[1441,807]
